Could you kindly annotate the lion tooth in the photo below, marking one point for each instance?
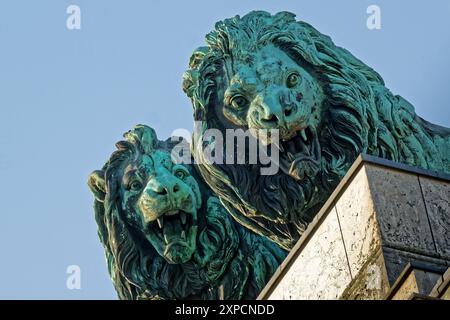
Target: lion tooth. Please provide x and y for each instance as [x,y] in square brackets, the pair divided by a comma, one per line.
[290,156]
[183,235]
[279,146]
[183,217]
[171,212]
[303,134]
[160,222]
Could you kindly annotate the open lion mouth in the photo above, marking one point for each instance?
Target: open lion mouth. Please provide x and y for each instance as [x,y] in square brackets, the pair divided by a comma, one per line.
[173,228]
[300,154]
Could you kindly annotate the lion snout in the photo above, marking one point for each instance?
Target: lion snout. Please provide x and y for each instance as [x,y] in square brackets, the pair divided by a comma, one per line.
[275,111]
[160,198]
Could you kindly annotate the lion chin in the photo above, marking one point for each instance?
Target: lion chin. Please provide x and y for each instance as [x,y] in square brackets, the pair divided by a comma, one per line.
[173,235]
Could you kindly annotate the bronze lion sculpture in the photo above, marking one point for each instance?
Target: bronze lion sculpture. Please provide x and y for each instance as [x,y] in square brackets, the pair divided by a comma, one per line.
[264,71]
[164,233]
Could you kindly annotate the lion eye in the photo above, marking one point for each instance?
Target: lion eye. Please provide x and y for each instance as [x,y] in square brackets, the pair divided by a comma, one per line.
[292,80]
[135,186]
[180,174]
[239,102]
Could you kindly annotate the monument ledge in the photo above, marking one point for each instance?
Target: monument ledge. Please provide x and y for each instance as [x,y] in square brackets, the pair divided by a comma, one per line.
[382,234]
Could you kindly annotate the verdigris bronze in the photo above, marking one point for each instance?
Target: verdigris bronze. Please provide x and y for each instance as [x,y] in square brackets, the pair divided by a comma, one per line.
[164,233]
[266,71]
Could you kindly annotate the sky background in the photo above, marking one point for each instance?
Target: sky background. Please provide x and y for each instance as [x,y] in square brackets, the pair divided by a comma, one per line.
[67,96]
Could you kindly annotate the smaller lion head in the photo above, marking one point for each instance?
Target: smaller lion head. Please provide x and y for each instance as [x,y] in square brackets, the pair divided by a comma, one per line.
[165,235]
[159,198]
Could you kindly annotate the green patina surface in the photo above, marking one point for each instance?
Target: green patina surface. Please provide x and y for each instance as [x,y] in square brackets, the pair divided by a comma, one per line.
[266,71]
[165,234]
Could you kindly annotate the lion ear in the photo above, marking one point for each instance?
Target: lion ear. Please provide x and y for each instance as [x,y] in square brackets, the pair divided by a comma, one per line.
[143,135]
[96,183]
[190,77]
[197,56]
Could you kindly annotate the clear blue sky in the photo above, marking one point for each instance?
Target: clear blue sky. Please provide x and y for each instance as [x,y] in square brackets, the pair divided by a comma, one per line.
[67,96]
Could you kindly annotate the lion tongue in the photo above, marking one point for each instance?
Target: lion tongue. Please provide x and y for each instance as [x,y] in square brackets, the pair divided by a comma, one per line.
[172,229]
[291,148]
[302,157]
[297,148]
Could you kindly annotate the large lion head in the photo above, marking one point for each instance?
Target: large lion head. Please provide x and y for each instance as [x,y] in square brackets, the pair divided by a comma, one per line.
[165,235]
[272,72]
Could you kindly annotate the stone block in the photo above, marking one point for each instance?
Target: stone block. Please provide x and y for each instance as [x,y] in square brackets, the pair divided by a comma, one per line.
[371,282]
[321,270]
[414,280]
[397,260]
[356,213]
[382,218]
[401,213]
[436,194]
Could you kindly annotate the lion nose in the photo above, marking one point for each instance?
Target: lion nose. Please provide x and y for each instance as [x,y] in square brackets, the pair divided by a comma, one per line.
[271,118]
[275,113]
[288,111]
[164,187]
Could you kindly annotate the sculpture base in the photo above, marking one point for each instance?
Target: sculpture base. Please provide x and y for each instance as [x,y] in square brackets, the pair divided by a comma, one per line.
[383,234]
